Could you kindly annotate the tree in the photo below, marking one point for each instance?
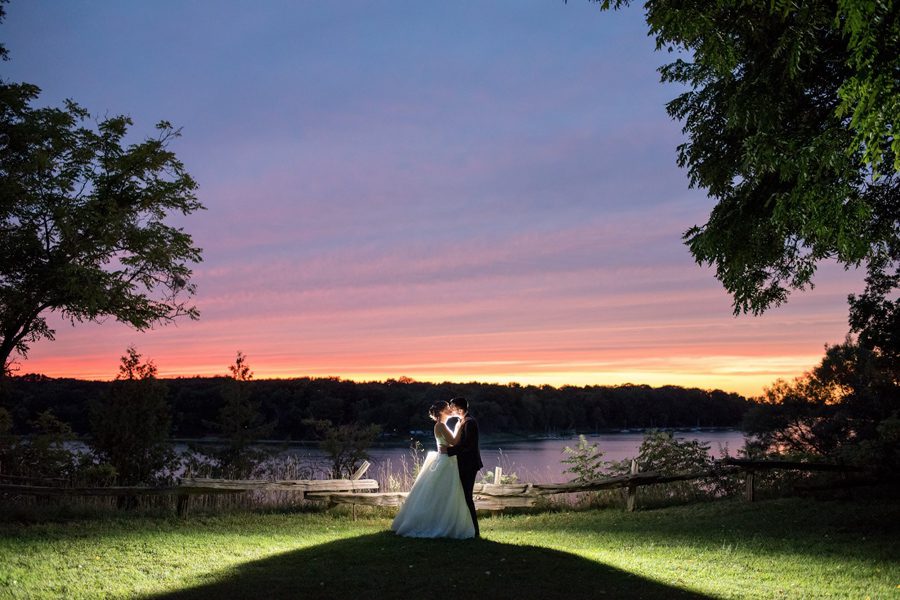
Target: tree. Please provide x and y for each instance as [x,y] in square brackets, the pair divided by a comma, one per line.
[240,423]
[791,112]
[130,426]
[848,404]
[875,314]
[347,445]
[872,93]
[82,221]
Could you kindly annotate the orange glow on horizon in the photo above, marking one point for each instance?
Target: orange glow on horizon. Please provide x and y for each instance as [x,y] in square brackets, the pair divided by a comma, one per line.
[690,341]
[746,375]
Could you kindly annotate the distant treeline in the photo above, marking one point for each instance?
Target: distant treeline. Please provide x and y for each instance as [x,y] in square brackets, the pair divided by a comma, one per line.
[398,406]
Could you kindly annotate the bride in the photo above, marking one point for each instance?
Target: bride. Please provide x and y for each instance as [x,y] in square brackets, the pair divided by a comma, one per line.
[435,506]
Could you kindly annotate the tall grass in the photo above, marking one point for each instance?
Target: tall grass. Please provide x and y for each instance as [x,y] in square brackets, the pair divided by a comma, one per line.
[400,476]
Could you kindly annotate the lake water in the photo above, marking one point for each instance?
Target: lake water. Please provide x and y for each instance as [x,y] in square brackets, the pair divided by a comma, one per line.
[539,461]
[534,461]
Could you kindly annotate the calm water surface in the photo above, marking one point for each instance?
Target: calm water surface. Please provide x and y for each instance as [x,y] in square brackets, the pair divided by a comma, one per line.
[539,461]
[536,461]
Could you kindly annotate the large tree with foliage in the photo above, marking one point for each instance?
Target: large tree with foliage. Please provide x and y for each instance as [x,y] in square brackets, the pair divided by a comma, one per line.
[791,109]
[83,227]
[791,112]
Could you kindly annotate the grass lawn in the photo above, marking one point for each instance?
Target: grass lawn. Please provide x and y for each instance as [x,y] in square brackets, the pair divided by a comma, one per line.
[792,548]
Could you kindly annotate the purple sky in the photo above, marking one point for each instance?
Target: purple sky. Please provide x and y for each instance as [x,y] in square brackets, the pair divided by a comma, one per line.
[459,190]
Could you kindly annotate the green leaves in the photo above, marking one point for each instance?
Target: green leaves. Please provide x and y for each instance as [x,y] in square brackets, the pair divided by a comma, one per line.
[790,118]
[83,221]
[871,95]
[585,461]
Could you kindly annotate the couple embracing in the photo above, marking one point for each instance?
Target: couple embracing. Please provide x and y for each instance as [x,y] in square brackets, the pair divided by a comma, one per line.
[440,503]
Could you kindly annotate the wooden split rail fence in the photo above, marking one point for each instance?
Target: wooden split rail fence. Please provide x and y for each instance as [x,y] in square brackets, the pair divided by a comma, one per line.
[496,497]
[488,496]
[192,486]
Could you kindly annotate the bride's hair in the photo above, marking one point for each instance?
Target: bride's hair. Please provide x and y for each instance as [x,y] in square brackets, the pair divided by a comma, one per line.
[436,409]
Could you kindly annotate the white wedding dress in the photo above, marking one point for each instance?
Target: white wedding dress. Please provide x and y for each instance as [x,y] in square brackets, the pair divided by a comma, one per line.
[435,506]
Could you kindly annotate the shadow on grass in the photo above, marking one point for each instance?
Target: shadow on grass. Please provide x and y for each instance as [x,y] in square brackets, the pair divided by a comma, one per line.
[383,565]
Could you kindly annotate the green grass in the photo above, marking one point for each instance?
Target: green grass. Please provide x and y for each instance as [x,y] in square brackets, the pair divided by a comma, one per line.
[790,548]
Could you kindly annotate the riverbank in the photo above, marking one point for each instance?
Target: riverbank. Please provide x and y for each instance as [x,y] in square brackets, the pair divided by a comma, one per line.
[790,548]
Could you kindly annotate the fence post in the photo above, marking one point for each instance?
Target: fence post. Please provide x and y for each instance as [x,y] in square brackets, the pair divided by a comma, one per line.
[632,489]
[750,490]
[183,504]
[498,475]
[361,470]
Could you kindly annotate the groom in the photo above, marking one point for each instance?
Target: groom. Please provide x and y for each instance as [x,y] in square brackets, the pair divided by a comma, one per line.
[468,457]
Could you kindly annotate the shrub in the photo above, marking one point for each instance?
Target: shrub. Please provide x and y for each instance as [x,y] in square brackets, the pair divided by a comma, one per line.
[585,461]
[346,445]
[661,452]
[44,454]
[130,426]
[240,423]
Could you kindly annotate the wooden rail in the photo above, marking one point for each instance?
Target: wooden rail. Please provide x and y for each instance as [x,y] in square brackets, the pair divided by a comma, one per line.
[372,499]
[25,479]
[482,502]
[494,497]
[197,486]
[303,487]
[751,467]
[795,465]
[235,486]
[43,490]
[488,496]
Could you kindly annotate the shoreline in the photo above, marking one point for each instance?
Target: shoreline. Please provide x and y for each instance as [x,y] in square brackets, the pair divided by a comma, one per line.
[504,438]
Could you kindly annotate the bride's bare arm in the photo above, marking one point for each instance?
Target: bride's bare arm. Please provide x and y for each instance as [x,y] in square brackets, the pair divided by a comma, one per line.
[453,439]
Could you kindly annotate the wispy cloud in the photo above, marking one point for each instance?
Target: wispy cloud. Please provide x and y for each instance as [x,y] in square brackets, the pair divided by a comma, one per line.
[459,191]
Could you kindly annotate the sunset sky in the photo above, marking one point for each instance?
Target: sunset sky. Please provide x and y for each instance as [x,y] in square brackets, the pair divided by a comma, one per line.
[446,191]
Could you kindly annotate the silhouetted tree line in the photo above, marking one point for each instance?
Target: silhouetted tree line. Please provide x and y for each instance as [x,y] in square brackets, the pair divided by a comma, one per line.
[846,409]
[292,407]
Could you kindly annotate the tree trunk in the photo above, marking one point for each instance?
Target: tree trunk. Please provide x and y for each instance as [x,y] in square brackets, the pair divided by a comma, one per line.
[6,349]
[15,333]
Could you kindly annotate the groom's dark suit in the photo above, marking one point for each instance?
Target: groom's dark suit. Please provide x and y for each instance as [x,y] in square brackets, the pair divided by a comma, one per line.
[468,460]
